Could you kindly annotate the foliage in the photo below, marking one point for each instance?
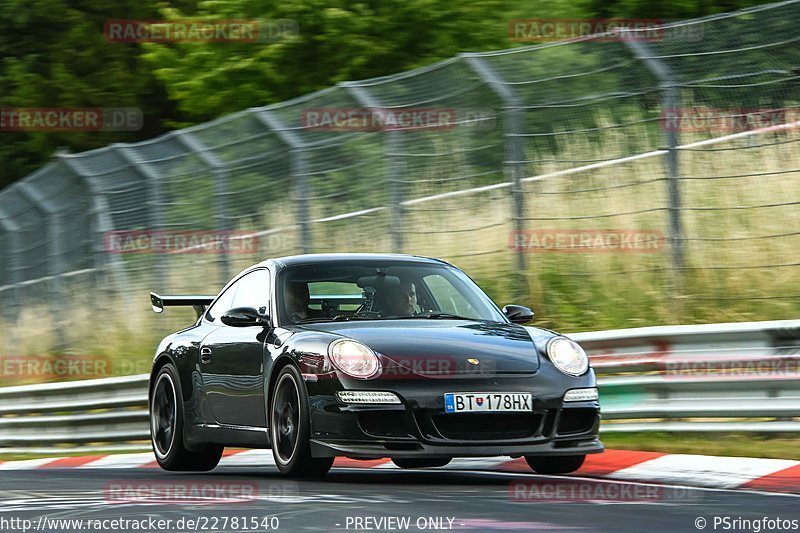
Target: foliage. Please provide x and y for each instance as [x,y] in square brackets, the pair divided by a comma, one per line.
[53,54]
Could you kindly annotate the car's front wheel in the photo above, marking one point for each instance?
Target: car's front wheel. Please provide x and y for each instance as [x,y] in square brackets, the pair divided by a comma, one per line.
[421,463]
[554,465]
[166,427]
[290,428]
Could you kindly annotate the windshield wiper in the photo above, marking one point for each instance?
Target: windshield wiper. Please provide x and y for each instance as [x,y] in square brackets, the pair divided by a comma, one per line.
[311,320]
[345,318]
[436,315]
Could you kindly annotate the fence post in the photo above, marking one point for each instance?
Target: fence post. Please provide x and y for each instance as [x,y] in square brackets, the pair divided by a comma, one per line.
[11,310]
[513,127]
[154,202]
[395,176]
[394,171]
[54,253]
[670,100]
[220,176]
[299,165]
[102,225]
[299,171]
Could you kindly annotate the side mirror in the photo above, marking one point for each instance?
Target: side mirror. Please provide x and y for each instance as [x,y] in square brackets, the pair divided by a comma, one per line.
[243,317]
[518,314]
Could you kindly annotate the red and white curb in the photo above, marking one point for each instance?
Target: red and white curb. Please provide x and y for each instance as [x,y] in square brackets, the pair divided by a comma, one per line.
[773,475]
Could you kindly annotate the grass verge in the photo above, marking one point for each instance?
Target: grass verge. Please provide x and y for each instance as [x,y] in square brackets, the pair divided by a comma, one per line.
[771,446]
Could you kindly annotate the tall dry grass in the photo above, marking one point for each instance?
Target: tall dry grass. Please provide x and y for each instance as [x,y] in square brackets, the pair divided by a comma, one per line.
[738,258]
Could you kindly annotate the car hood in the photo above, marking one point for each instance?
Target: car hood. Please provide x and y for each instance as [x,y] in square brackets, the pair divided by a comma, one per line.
[443,348]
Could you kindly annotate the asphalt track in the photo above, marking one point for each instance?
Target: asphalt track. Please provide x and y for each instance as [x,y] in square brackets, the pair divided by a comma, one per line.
[450,500]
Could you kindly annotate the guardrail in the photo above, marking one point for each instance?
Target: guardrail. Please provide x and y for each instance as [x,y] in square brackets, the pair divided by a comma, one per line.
[715,377]
[712,377]
[88,414]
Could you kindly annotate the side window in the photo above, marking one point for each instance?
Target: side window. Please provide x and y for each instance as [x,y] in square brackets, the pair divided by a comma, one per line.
[253,291]
[222,304]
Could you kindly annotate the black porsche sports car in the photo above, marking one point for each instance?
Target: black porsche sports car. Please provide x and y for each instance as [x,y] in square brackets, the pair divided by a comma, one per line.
[367,356]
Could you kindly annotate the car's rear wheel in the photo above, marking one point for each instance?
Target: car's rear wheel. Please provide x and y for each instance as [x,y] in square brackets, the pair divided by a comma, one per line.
[563,464]
[166,427]
[290,428]
[410,462]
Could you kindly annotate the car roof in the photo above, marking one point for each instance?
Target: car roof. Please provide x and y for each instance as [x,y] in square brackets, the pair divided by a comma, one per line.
[309,259]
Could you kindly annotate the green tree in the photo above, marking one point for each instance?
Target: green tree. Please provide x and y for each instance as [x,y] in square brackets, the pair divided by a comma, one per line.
[336,41]
[53,54]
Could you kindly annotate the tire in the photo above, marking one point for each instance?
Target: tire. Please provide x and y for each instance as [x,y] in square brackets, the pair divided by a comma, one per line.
[555,465]
[166,428]
[410,462]
[290,428]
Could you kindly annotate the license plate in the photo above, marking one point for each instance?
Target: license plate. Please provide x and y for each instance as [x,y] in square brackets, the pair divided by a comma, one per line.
[484,402]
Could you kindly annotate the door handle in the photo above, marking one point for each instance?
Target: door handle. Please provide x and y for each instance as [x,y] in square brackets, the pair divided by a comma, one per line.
[205,355]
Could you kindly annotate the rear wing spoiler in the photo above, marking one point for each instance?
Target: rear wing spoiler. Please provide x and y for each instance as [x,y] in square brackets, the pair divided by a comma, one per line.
[199,303]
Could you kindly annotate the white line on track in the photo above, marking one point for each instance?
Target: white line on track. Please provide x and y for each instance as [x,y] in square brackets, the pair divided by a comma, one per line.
[26,464]
[127,460]
[249,458]
[703,470]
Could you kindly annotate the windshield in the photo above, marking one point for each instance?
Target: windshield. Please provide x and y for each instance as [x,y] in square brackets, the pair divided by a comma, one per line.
[380,291]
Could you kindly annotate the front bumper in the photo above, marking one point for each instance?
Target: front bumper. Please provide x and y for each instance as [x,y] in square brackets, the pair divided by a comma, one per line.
[355,450]
[420,428]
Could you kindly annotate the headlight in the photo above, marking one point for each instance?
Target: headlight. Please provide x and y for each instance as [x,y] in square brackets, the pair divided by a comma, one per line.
[568,356]
[353,358]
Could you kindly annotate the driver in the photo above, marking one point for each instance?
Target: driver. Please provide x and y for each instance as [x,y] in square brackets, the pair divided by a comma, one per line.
[297,300]
[401,300]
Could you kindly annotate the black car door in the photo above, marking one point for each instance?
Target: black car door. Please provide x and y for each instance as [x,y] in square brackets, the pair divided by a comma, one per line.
[232,358]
